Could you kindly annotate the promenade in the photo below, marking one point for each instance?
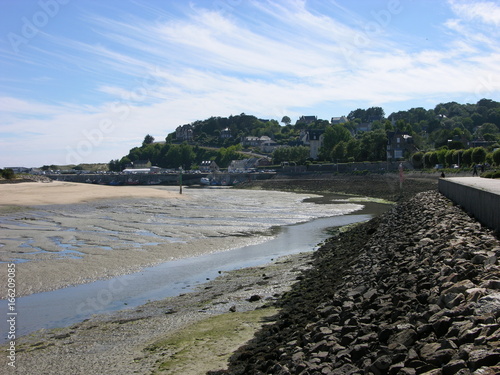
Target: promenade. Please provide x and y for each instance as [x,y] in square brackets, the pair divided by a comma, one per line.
[480,197]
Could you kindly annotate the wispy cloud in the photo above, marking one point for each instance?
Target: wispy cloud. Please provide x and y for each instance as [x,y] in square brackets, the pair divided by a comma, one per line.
[481,11]
[155,69]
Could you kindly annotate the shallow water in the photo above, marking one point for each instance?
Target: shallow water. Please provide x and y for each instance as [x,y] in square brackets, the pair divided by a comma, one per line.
[56,232]
[137,225]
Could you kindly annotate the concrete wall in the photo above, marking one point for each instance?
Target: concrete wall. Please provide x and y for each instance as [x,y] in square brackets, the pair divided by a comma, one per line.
[483,205]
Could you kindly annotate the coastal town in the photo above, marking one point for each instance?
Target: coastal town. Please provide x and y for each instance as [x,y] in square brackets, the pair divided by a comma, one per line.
[228,187]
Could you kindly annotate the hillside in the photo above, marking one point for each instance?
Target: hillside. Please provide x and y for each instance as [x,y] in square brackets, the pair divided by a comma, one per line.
[363,135]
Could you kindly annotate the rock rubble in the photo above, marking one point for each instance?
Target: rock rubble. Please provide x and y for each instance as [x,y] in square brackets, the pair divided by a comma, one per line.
[414,291]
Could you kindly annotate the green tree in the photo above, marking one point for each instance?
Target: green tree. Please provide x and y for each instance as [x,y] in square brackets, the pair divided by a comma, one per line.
[496,157]
[478,155]
[428,160]
[417,159]
[434,158]
[353,149]
[441,156]
[457,157]
[114,166]
[226,155]
[339,152]
[467,157]
[449,158]
[487,128]
[295,154]
[7,173]
[489,158]
[373,145]
[333,135]
[299,154]
[286,120]
[148,139]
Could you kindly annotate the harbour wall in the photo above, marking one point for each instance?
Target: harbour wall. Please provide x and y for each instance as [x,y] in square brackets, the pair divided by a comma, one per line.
[481,203]
[160,178]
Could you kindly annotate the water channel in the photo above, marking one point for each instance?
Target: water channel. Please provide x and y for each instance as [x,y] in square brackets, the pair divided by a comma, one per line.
[66,306]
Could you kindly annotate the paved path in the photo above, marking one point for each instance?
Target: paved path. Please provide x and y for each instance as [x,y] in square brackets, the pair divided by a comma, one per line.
[486,184]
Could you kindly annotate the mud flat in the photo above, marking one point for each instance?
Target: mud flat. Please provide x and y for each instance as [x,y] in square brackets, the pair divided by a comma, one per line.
[413,291]
[188,334]
[61,234]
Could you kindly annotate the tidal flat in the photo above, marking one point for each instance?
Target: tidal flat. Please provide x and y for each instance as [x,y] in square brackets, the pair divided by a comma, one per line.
[59,245]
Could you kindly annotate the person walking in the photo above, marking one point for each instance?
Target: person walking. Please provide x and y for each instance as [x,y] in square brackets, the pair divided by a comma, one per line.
[474,170]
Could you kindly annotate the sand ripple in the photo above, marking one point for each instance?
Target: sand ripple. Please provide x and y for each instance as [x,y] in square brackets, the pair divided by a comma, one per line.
[66,244]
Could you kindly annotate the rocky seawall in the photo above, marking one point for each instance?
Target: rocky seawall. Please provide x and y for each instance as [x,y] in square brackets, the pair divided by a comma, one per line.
[414,291]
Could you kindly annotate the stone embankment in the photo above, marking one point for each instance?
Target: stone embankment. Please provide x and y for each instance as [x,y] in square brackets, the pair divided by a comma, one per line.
[385,186]
[25,178]
[415,291]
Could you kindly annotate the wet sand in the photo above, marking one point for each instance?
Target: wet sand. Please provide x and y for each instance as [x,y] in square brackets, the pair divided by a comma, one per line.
[188,334]
[57,192]
[66,234]
[133,340]
[47,269]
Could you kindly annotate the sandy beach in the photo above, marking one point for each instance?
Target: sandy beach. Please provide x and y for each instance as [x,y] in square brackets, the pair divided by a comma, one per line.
[48,270]
[57,192]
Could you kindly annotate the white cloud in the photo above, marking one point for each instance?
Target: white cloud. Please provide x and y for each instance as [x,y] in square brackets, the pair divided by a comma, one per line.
[482,11]
[282,59]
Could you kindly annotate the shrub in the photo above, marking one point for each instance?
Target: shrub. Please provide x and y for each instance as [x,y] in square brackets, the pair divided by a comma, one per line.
[418,159]
[479,155]
[7,173]
[493,174]
[496,157]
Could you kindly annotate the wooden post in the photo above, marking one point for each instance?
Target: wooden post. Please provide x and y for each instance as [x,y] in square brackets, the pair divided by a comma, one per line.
[180,180]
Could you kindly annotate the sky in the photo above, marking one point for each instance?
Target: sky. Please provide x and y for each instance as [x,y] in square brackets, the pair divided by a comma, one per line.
[84,81]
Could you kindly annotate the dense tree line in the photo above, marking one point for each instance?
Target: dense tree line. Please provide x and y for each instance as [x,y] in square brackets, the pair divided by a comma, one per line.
[208,132]
[440,133]
[450,158]
[168,155]
[436,132]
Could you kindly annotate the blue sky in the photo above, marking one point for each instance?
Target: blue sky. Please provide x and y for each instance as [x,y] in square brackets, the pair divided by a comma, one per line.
[86,80]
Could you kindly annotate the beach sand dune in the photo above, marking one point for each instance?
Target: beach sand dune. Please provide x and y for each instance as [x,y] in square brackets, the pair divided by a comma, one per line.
[58,192]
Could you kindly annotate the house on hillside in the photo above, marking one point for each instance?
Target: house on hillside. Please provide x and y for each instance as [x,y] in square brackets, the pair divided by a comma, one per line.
[184,133]
[399,143]
[264,143]
[479,142]
[250,141]
[338,120]
[268,146]
[225,133]
[306,120]
[314,139]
